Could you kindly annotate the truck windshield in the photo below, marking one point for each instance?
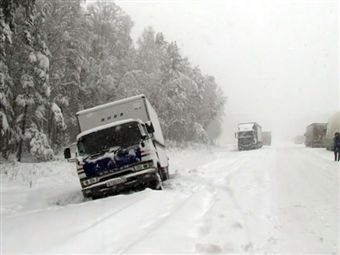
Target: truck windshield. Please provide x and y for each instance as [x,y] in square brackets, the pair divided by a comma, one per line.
[122,135]
[245,134]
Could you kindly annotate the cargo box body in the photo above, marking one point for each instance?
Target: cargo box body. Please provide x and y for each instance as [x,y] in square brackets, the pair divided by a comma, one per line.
[315,135]
[137,107]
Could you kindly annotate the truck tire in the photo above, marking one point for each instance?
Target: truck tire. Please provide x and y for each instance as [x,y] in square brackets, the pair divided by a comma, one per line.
[164,173]
[95,197]
[87,196]
[157,183]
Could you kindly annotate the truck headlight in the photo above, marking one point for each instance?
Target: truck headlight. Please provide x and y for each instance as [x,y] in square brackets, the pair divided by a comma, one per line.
[139,167]
[143,166]
[90,181]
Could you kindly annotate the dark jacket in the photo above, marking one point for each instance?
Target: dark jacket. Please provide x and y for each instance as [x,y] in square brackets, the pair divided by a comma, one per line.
[336,143]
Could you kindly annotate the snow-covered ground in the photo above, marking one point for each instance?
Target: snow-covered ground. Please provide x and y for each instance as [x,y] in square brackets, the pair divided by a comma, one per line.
[282,199]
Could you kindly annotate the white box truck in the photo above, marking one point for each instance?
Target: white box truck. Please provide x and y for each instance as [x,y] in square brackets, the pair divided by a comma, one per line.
[249,136]
[120,146]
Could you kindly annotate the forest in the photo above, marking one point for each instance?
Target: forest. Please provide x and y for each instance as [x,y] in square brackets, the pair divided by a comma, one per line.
[59,57]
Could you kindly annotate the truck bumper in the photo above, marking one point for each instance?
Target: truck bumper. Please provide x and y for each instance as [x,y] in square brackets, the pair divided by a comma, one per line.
[318,145]
[249,146]
[246,147]
[139,179]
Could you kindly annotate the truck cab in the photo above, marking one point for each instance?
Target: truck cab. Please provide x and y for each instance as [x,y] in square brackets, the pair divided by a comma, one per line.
[249,136]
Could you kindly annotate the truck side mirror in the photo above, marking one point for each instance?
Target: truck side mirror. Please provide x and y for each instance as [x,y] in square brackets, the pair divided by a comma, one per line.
[143,130]
[144,136]
[150,128]
[235,134]
[67,153]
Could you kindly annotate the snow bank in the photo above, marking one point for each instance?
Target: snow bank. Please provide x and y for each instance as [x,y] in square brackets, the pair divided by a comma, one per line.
[32,186]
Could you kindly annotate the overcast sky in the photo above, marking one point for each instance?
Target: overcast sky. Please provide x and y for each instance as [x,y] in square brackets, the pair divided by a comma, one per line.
[276,60]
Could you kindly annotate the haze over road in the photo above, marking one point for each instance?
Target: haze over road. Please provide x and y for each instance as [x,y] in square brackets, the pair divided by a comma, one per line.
[276,60]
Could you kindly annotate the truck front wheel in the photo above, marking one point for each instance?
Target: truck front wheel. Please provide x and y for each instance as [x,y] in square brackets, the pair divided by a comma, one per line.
[156,184]
[164,173]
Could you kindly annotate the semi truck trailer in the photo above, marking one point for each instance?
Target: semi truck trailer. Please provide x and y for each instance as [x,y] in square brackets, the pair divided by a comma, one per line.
[120,146]
[315,135]
[333,126]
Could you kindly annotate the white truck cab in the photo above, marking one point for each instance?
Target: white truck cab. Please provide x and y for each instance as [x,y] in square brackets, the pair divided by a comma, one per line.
[249,136]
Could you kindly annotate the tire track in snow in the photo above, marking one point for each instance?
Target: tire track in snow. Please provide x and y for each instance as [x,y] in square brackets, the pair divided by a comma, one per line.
[199,177]
[306,202]
[98,221]
[151,222]
[175,217]
[237,169]
[102,219]
[226,190]
[255,176]
[152,227]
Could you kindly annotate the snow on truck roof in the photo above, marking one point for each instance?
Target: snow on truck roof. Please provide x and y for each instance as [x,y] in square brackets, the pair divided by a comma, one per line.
[112,124]
[246,126]
[96,108]
[317,124]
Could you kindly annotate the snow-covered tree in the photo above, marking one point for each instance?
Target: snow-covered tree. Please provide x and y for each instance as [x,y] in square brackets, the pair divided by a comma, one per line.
[30,66]
[111,46]
[38,143]
[67,38]
[9,135]
[58,57]
[186,100]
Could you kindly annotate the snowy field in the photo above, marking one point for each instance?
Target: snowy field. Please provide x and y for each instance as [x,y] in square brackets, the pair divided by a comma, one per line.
[282,199]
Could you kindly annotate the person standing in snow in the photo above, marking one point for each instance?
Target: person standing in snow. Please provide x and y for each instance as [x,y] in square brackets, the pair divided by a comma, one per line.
[336,146]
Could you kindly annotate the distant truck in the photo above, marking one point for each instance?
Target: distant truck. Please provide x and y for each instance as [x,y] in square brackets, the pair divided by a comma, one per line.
[315,135]
[333,126]
[249,136]
[120,146]
[267,138]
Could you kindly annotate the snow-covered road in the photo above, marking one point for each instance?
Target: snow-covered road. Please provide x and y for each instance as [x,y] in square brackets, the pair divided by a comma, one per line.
[277,199]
